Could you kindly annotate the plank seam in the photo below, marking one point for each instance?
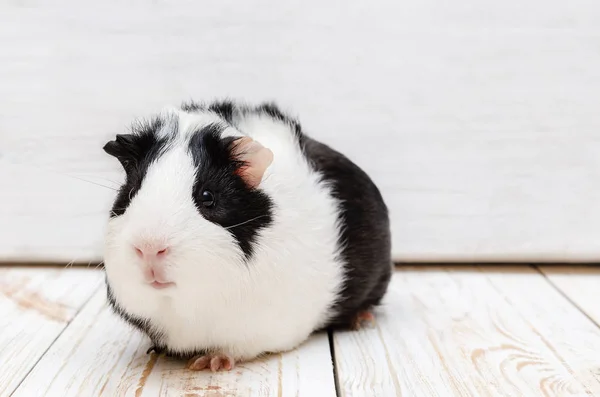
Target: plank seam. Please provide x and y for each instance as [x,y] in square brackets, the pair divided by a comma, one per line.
[564,295]
[336,380]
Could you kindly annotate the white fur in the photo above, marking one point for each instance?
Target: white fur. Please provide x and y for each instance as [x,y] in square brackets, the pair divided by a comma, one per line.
[220,302]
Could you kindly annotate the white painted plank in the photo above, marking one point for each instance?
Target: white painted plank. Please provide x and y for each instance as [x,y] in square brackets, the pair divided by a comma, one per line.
[580,284]
[478,119]
[98,355]
[36,304]
[447,332]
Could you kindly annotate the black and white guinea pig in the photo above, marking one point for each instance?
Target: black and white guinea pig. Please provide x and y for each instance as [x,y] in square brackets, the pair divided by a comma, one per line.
[235,234]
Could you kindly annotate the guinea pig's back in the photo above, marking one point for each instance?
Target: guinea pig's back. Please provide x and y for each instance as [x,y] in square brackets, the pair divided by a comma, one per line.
[302,244]
[365,237]
[330,206]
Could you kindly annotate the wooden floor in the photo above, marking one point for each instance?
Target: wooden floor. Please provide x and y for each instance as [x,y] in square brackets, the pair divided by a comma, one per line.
[444,331]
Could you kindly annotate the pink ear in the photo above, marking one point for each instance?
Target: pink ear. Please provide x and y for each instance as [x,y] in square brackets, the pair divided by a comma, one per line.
[257,158]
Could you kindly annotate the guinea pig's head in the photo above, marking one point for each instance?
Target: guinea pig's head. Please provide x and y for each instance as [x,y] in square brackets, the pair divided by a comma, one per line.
[190,210]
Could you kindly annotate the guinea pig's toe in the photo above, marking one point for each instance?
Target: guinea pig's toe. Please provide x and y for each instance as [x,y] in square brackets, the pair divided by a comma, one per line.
[221,363]
[216,362]
[363,318]
[198,363]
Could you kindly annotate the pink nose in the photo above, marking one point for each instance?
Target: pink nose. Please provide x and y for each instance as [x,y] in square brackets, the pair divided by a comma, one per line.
[151,252]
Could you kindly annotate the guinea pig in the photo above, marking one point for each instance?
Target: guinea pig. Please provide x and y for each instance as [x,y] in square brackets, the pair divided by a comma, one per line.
[235,234]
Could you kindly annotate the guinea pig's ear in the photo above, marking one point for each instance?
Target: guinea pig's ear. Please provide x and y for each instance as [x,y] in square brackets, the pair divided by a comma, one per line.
[123,148]
[255,158]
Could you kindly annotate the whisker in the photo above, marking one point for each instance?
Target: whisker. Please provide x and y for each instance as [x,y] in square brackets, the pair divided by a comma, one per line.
[243,223]
[16,162]
[85,180]
[101,177]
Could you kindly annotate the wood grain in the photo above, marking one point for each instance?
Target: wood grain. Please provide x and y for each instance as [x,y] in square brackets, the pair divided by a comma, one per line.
[35,307]
[580,284]
[478,120]
[98,355]
[471,332]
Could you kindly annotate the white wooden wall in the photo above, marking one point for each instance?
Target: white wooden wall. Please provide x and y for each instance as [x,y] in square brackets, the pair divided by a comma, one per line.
[479,119]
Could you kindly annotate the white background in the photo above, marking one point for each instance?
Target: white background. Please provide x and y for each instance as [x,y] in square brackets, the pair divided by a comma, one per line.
[479,119]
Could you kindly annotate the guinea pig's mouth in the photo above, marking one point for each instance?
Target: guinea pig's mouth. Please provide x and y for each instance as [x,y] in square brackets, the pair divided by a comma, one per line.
[158,285]
[155,277]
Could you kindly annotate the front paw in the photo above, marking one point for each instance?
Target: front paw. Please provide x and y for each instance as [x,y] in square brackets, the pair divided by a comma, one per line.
[214,361]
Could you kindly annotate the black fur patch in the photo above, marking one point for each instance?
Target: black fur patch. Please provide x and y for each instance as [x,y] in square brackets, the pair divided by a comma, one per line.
[135,152]
[192,106]
[274,112]
[239,209]
[225,109]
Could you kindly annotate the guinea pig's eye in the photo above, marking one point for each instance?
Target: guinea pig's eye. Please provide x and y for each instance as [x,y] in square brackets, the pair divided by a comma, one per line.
[208,199]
